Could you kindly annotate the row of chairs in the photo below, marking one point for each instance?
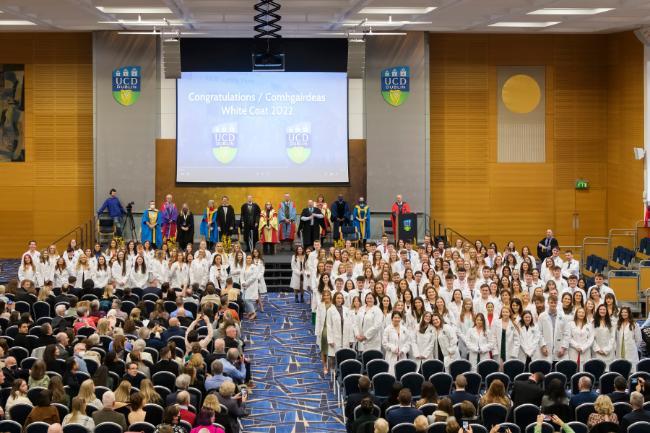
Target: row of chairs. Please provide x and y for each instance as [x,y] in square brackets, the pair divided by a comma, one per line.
[595,263]
[578,427]
[12,426]
[623,256]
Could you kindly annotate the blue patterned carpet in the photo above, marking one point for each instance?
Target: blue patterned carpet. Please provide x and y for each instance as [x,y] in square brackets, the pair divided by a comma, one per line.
[8,269]
[291,395]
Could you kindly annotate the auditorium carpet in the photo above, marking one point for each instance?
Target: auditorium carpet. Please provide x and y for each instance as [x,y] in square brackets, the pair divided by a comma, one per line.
[291,395]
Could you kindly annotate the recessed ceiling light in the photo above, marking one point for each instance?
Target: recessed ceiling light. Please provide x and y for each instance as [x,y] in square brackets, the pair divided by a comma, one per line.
[164,22]
[389,23]
[397,11]
[16,23]
[134,10]
[570,11]
[524,24]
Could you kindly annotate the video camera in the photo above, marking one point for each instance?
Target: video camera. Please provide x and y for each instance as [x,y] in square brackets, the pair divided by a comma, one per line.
[129,208]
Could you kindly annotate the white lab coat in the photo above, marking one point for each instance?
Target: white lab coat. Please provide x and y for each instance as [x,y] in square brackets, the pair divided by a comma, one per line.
[101,277]
[299,268]
[530,341]
[479,345]
[138,279]
[512,340]
[422,349]
[631,339]
[30,274]
[179,275]
[46,270]
[369,324]
[198,273]
[554,338]
[120,274]
[339,335]
[82,274]
[605,340]
[249,282]
[261,282]
[60,277]
[159,271]
[217,276]
[321,313]
[235,273]
[445,338]
[580,341]
[397,344]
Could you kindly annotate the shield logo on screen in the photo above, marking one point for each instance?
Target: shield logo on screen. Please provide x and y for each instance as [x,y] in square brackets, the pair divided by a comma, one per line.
[299,142]
[407,225]
[126,84]
[395,84]
[225,142]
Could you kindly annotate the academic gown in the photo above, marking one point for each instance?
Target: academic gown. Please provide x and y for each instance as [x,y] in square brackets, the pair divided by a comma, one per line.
[249,222]
[340,209]
[286,219]
[269,227]
[361,220]
[226,221]
[210,233]
[395,211]
[147,233]
[169,214]
[310,230]
[185,226]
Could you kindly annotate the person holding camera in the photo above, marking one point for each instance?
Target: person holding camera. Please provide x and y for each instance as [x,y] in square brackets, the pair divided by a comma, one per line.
[115,210]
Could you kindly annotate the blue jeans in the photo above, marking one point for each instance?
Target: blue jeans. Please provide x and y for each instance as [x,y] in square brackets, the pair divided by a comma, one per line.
[118,221]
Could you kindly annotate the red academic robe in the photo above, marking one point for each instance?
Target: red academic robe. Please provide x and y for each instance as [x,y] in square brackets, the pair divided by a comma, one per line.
[406,208]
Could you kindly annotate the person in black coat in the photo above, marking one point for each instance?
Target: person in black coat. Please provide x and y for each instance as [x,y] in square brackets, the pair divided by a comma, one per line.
[459,394]
[311,223]
[354,399]
[21,339]
[225,218]
[619,395]
[528,391]
[249,221]
[546,245]
[405,413]
[185,227]
[637,414]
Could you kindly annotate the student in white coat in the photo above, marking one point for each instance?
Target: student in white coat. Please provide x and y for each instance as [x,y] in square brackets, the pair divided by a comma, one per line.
[628,337]
[552,324]
[218,272]
[529,339]
[478,341]
[604,336]
[120,270]
[61,274]
[422,349]
[321,328]
[445,345]
[340,325]
[179,273]
[198,272]
[261,282]
[368,326]
[505,337]
[46,266]
[396,341]
[101,274]
[581,338]
[236,266]
[139,276]
[299,274]
[159,268]
[249,284]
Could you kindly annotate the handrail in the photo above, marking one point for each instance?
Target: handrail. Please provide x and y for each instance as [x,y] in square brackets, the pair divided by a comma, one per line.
[74,230]
[83,233]
[447,229]
[594,240]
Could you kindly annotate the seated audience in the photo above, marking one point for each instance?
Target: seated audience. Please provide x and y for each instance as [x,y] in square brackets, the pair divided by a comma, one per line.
[585,393]
[107,412]
[459,394]
[43,411]
[637,414]
[405,412]
[78,415]
[604,412]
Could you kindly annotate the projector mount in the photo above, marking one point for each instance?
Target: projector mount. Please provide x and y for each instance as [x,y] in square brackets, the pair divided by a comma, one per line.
[267,19]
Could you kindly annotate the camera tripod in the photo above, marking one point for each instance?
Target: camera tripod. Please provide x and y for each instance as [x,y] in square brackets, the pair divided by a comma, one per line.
[130,224]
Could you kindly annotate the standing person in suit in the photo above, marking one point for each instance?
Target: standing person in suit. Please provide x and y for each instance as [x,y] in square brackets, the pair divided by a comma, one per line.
[311,222]
[340,215]
[528,391]
[546,245]
[637,414]
[225,219]
[185,226]
[400,207]
[249,217]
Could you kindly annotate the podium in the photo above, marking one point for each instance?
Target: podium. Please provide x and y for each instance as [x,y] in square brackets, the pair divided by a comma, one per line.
[407,226]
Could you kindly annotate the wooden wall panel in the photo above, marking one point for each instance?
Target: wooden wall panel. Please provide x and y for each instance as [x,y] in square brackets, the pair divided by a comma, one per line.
[52,192]
[197,196]
[521,200]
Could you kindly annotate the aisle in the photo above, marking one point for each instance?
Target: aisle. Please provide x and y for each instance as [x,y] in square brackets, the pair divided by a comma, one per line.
[290,394]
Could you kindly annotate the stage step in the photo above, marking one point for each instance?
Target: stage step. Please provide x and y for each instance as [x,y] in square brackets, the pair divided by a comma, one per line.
[278,274]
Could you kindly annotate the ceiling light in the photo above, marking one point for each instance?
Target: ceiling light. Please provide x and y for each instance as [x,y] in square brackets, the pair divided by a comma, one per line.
[134,10]
[570,11]
[397,11]
[16,23]
[538,24]
[389,23]
[163,22]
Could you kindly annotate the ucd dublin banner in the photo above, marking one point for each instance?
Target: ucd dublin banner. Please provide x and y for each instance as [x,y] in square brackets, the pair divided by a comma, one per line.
[395,84]
[126,84]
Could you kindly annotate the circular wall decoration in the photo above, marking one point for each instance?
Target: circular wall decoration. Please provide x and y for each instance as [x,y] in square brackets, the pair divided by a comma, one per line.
[521,94]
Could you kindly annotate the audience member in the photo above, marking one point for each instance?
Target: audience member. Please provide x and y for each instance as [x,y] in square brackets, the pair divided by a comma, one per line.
[405,412]
[585,393]
[637,414]
[459,394]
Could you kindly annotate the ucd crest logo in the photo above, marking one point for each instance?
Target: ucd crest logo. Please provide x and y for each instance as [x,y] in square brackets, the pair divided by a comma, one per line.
[395,84]
[225,141]
[126,84]
[299,142]
[407,225]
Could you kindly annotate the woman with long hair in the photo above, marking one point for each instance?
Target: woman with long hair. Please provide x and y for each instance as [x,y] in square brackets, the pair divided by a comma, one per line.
[478,341]
[37,376]
[505,337]
[120,270]
[628,337]
[27,270]
[445,341]
[87,394]
[339,325]
[612,308]
[138,274]
[604,336]
[78,415]
[581,338]
[368,326]
[123,394]
[204,422]
[422,349]
[396,341]
[496,393]
[18,394]
[321,330]
[137,413]
[530,339]
[179,273]
[58,391]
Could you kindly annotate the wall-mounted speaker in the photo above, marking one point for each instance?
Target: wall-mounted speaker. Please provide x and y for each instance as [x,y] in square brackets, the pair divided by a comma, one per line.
[356,58]
[643,34]
[171,57]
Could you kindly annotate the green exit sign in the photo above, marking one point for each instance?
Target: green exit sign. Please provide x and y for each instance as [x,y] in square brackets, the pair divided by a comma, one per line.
[582,184]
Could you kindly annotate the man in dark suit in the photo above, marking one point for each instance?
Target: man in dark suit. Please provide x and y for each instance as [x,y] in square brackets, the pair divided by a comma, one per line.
[21,339]
[528,391]
[311,222]
[459,395]
[405,412]
[585,393]
[637,414]
[173,330]
[225,218]
[619,395]
[355,399]
[249,221]
[546,245]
